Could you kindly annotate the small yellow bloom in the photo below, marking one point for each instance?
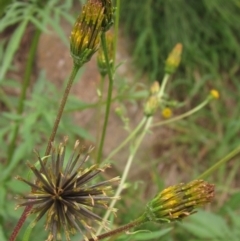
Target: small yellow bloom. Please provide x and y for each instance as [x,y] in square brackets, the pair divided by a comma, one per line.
[167,113]
[214,94]
[174,59]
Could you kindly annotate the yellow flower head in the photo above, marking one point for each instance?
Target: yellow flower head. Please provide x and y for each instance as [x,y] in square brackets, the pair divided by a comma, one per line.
[179,201]
[167,113]
[214,94]
[85,36]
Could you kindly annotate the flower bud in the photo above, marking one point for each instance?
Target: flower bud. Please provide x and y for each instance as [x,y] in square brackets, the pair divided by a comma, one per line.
[155,88]
[101,61]
[85,36]
[108,14]
[179,201]
[173,59]
[151,105]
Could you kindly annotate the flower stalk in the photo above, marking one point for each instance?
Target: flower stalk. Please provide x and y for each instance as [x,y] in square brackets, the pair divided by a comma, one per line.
[109,97]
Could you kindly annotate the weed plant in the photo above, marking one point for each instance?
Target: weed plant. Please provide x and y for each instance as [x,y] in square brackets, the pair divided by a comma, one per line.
[59,178]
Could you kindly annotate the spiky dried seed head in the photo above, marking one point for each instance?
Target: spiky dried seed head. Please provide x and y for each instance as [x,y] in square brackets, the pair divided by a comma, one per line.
[62,193]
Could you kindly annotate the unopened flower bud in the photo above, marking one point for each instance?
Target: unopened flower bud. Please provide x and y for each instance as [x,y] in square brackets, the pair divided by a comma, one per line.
[101,61]
[155,87]
[173,59]
[85,36]
[108,14]
[151,105]
[179,201]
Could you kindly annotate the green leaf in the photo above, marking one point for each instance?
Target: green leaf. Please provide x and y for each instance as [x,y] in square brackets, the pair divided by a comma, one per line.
[199,225]
[12,47]
[19,154]
[151,235]
[2,201]
[12,116]
[2,236]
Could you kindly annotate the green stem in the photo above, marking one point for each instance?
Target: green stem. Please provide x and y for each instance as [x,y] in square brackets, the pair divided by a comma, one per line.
[127,168]
[186,114]
[148,122]
[99,109]
[227,158]
[61,107]
[109,98]
[116,28]
[121,229]
[129,138]
[22,97]
[163,85]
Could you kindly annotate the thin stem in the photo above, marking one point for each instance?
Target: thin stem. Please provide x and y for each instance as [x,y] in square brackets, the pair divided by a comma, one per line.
[116,28]
[109,98]
[121,229]
[52,136]
[61,107]
[99,109]
[186,114]
[163,85]
[227,158]
[22,97]
[20,222]
[148,122]
[127,168]
[129,138]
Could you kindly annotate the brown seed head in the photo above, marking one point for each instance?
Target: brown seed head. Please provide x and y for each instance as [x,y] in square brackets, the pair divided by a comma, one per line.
[63,194]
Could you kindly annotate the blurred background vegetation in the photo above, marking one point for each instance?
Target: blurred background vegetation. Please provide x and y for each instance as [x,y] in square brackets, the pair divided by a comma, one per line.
[209,32]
